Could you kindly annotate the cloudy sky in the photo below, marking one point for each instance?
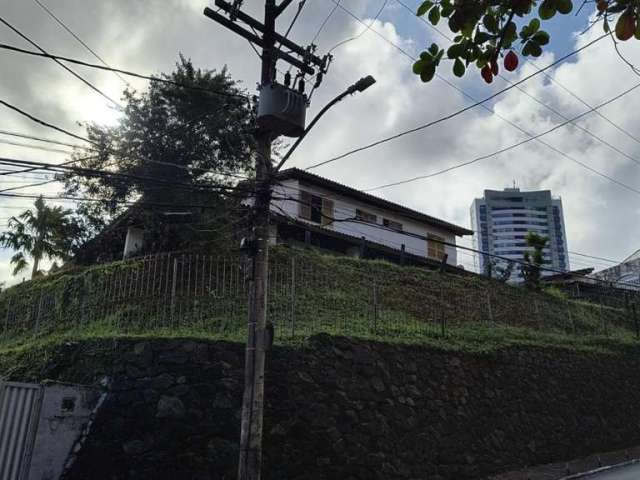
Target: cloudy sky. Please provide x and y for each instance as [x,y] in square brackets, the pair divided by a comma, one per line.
[146,36]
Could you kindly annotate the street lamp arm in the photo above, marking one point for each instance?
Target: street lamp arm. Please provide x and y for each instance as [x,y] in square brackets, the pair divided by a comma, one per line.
[360,86]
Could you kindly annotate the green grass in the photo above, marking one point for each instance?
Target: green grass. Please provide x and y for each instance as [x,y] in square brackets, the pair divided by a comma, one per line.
[333,296]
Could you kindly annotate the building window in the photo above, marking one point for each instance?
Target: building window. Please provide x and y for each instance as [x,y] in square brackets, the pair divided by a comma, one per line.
[315,208]
[365,216]
[435,247]
[392,225]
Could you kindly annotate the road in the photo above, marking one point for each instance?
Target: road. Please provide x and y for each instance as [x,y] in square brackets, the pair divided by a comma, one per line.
[631,472]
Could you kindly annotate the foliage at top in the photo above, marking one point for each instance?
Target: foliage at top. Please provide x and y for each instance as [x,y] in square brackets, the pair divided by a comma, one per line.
[172,143]
[44,232]
[534,259]
[487,30]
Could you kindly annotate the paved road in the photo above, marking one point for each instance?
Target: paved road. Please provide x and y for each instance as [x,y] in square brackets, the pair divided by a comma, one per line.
[631,472]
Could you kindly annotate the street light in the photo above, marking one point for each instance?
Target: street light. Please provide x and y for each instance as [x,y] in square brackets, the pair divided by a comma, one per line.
[360,86]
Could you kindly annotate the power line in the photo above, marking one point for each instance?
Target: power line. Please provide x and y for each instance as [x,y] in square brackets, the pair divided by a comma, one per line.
[102,173]
[617,262]
[324,22]
[548,107]
[515,145]
[46,124]
[35,147]
[124,72]
[453,114]
[365,30]
[453,245]
[79,77]
[39,139]
[78,39]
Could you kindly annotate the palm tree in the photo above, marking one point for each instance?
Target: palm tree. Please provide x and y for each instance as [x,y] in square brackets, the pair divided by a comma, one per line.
[43,232]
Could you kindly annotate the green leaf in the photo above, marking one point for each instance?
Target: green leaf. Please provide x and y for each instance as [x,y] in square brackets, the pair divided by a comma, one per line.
[434,49]
[482,37]
[547,10]
[526,50]
[434,16]
[536,50]
[454,51]
[534,25]
[428,72]
[564,6]
[424,8]
[458,68]
[418,66]
[637,32]
[541,38]
[490,23]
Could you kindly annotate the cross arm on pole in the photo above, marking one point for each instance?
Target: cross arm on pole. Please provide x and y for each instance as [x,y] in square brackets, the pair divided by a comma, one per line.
[224,21]
[252,22]
[282,7]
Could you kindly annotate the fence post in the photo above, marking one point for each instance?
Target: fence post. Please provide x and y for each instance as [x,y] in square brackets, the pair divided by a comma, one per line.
[442,315]
[402,255]
[489,307]
[37,325]
[571,319]
[6,317]
[604,319]
[173,288]
[292,299]
[375,307]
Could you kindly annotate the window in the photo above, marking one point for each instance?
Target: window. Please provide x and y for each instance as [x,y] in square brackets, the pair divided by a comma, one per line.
[315,208]
[365,216]
[392,225]
[435,247]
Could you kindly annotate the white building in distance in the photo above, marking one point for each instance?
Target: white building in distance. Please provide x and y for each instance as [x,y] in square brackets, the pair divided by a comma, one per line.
[502,219]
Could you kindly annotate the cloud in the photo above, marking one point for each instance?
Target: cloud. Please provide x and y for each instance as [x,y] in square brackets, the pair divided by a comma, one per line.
[144,36]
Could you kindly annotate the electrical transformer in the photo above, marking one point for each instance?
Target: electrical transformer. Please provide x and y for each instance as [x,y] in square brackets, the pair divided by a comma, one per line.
[282,110]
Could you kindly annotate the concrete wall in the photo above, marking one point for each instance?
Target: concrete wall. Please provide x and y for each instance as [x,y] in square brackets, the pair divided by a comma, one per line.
[345,409]
[64,413]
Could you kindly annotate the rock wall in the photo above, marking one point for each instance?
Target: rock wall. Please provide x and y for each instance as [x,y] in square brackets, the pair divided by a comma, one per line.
[346,409]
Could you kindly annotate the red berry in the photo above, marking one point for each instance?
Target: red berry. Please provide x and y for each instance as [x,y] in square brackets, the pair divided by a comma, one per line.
[494,68]
[510,61]
[487,74]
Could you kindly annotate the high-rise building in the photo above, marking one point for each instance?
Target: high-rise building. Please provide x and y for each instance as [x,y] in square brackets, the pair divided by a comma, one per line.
[502,219]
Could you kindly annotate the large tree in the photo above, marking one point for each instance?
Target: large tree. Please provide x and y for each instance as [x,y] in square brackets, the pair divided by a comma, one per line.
[171,145]
[486,30]
[45,232]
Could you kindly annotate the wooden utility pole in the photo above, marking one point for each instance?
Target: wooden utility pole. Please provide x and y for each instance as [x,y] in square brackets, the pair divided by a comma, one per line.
[253,399]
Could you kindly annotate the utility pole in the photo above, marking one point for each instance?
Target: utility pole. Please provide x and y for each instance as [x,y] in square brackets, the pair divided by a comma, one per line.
[274,123]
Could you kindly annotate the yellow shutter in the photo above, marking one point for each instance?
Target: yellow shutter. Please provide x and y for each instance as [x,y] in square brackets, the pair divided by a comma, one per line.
[327,211]
[435,249]
[304,207]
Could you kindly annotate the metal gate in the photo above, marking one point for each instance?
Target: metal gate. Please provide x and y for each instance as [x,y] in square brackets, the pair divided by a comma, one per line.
[19,412]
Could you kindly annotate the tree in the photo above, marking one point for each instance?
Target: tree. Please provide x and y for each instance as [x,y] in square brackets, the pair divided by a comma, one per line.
[44,232]
[498,269]
[171,145]
[533,260]
[486,30]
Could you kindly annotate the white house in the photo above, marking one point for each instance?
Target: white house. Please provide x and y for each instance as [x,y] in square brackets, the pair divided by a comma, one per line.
[310,209]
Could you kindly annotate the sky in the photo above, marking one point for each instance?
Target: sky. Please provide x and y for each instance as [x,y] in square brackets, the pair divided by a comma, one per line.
[146,36]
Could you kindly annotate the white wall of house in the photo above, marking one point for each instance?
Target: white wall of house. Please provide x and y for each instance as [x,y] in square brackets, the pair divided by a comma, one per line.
[345,207]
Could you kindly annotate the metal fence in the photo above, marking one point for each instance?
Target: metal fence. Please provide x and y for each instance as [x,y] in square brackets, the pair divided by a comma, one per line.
[307,294]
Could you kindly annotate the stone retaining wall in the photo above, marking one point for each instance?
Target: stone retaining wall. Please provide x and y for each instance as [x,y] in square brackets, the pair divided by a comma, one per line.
[345,409]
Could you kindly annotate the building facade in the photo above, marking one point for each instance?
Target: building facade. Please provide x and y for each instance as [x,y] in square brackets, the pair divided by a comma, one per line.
[340,218]
[625,275]
[502,219]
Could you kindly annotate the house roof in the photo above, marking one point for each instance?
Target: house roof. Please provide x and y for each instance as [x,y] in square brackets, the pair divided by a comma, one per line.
[297,174]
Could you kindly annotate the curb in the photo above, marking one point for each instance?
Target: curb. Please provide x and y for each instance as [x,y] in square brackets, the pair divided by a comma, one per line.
[600,470]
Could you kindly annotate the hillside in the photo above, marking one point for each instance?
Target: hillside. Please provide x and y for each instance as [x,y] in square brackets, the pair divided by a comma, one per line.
[204,296]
